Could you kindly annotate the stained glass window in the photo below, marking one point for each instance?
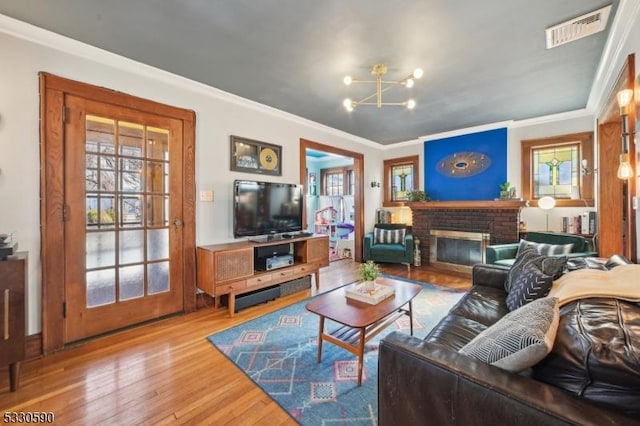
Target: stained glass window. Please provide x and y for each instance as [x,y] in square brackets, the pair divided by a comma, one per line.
[556,171]
[401,181]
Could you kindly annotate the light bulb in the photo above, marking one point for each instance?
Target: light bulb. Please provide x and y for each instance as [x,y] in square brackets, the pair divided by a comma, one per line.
[409,83]
[417,73]
[347,80]
[624,169]
[624,98]
[411,104]
[348,104]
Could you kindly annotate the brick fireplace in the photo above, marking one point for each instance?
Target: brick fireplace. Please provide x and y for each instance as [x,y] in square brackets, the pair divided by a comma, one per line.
[498,218]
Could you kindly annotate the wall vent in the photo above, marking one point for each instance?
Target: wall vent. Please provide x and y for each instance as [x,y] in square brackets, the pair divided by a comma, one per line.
[577,28]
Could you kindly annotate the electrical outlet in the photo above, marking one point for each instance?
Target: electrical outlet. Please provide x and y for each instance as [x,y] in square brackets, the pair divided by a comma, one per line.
[206,196]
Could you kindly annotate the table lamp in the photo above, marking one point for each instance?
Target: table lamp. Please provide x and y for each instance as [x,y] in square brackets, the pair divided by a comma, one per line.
[547,203]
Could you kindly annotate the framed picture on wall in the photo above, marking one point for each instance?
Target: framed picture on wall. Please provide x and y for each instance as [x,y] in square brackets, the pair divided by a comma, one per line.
[251,156]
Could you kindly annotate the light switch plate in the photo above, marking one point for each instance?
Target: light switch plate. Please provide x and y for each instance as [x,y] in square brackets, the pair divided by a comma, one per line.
[206,196]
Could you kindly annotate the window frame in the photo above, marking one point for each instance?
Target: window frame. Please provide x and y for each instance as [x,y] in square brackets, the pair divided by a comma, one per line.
[584,140]
[348,179]
[389,164]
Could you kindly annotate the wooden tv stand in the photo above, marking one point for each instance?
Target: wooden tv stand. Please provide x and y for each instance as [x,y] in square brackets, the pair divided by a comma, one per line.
[231,268]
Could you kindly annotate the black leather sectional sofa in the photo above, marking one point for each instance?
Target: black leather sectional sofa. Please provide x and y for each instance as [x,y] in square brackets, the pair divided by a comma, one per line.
[591,377]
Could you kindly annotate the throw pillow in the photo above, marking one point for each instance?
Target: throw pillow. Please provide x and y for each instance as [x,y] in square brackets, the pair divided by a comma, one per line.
[520,339]
[525,256]
[530,285]
[547,249]
[388,236]
[554,266]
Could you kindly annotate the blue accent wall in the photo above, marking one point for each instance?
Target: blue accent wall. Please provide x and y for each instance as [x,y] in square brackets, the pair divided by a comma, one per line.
[483,186]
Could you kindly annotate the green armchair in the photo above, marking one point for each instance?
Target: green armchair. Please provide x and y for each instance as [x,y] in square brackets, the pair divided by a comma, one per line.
[389,243]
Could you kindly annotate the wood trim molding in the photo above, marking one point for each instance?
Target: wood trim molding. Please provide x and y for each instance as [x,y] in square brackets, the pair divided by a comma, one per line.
[468,205]
[616,216]
[358,196]
[413,160]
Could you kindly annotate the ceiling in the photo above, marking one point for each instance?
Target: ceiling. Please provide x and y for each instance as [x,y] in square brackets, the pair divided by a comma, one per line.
[484,61]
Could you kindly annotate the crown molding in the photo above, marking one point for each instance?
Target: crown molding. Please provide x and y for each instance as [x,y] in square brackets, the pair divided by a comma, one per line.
[551,118]
[42,37]
[612,57]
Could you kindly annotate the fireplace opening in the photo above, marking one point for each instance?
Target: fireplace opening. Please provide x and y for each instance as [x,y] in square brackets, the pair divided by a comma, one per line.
[457,250]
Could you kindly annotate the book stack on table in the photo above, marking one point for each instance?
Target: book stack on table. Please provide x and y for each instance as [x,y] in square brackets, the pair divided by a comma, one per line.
[361,293]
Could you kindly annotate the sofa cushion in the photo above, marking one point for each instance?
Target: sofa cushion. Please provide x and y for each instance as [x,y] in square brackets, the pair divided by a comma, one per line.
[530,285]
[520,339]
[480,308]
[388,236]
[596,353]
[547,249]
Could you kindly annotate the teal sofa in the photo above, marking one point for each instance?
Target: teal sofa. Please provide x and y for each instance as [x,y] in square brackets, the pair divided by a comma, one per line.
[389,252]
[505,254]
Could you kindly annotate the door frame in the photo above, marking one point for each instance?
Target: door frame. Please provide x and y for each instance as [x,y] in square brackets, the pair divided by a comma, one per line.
[52,227]
[358,197]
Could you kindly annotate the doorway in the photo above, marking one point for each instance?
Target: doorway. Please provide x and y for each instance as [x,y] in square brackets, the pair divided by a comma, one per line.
[122,170]
[345,216]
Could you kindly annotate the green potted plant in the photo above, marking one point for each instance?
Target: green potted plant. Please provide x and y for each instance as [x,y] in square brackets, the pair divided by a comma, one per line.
[368,273]
[416,195]
[504,189]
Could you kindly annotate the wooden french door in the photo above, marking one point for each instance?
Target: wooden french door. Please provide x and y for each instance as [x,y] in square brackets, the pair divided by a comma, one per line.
[118,210]
[123,217]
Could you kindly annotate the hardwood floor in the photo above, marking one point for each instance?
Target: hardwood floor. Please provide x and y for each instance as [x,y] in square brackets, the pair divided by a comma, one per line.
[166,371]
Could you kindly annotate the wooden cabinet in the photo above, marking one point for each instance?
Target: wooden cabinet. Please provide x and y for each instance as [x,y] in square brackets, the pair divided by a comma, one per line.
[13,281]
[230,269]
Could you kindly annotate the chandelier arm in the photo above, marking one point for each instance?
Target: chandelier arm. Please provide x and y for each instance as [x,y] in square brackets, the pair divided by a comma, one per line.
[360,102]
[382,81]
[382,103]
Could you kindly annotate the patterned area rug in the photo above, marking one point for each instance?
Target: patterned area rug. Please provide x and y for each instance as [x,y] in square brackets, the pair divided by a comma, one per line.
[278,352]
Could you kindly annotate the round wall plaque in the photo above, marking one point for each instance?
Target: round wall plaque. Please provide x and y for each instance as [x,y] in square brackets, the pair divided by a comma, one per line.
[463,164]
[268,159]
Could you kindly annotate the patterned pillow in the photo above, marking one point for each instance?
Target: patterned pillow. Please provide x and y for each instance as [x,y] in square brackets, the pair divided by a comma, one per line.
[547,249]
[527,255]
[388,236]
[520,339]
[553,265]
[530,285]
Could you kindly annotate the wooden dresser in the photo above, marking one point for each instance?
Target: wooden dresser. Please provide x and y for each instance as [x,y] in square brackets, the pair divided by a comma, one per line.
[13,281]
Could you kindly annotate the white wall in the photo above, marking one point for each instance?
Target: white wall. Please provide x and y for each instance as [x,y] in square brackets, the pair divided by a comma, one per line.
[218,116]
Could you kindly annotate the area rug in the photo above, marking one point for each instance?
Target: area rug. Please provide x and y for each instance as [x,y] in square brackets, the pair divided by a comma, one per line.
[278,352]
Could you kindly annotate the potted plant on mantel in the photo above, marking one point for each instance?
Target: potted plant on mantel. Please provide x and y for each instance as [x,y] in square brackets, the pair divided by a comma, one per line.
[416,195]
[504,190]
[368,273]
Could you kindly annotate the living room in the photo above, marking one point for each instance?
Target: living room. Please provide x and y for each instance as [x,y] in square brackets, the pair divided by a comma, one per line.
[30,50]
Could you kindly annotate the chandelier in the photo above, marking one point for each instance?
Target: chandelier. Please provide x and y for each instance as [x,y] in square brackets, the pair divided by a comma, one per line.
[378,71]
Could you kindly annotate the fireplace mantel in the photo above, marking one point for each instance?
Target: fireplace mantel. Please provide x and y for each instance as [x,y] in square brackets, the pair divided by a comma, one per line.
[468,205]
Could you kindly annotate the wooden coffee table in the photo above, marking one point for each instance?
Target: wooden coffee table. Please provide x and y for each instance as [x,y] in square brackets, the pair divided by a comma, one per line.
[361,321]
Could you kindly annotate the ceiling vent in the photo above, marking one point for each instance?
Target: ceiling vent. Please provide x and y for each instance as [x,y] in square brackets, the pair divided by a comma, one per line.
[576,28]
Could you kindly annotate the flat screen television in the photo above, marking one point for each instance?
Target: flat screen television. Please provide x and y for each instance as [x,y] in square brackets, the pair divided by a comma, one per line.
[266,208]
